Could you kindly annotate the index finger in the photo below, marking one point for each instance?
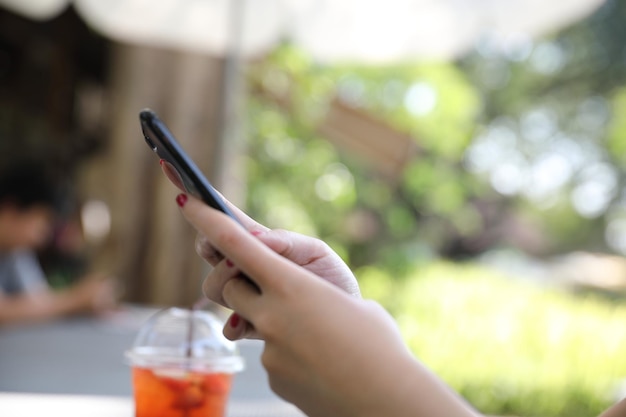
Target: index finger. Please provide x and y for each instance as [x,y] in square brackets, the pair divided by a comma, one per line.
[247,222]
[256,260]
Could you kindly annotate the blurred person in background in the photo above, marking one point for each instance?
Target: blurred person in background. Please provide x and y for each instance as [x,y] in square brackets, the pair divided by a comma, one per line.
[29,210]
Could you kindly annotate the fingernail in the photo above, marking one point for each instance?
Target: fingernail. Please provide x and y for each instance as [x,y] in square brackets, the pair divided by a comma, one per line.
[181,200]
[162,161]
[234,320]
[229,263]
[255,232]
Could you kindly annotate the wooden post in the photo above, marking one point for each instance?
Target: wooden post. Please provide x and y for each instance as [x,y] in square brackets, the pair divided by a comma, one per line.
[151,248]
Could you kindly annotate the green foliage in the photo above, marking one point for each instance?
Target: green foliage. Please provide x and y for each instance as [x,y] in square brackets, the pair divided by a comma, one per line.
[508,346]
[299,180]
[432,101]
[616,137]
[553,113]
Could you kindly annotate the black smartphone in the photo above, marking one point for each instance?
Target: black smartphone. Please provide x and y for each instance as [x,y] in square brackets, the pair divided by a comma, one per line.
[162,142]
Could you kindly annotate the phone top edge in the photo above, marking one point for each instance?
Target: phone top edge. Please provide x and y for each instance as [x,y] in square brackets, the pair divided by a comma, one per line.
[150,121]
[146,112]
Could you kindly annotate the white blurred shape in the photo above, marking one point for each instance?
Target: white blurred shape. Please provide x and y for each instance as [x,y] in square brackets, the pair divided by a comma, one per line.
[421,99]
[337,180]
[331,30]
[538,125]
[96,220]
[36,9]
[548,58]
[548,175]
[507,179]
[591,199]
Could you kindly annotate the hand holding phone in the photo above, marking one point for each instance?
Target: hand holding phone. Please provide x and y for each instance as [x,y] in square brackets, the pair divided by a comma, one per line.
[162,142]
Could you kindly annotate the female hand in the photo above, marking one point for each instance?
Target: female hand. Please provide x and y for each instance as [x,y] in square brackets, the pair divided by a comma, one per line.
[326,351]
[312,254]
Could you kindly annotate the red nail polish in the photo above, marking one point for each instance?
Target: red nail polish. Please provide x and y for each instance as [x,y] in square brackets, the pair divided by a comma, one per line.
[234,320]
[255,232]
[181,200]
[229,263]
[162,161]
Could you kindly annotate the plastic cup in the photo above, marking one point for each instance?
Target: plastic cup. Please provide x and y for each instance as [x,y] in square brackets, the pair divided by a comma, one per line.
[182,365]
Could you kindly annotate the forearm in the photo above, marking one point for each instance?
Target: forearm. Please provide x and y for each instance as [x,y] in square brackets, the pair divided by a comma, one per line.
[417,392]
[41,306]
[618,410]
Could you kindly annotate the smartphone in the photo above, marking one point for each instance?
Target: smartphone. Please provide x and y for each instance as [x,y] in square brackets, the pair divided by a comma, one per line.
[162,142]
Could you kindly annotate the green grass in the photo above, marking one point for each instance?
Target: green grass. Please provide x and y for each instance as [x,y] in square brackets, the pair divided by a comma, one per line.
[509,347]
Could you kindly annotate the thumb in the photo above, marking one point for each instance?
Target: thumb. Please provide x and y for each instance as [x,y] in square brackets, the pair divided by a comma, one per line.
[298,248]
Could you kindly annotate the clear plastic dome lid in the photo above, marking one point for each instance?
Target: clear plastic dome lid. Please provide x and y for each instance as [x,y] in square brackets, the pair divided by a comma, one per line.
[180,338]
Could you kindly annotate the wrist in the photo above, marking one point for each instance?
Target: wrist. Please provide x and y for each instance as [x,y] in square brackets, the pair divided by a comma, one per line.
[412,390]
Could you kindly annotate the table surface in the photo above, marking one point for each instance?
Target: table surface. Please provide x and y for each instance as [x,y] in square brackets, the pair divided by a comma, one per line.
[70,365]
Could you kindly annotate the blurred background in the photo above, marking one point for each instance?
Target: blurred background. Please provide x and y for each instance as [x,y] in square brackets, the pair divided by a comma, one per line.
[466,158]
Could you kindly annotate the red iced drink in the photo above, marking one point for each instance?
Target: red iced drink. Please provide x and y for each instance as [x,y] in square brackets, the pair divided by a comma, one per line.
[179,393]
[182,365]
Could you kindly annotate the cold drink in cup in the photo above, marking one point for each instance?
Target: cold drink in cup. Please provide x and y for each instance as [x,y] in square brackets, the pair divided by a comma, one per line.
[182,366]
[186,393]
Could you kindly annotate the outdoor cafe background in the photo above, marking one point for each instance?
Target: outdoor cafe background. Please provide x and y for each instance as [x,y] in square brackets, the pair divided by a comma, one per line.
[429,143]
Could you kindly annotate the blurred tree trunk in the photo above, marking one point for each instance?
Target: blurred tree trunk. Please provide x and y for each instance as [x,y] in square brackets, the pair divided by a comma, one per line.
[151,247]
